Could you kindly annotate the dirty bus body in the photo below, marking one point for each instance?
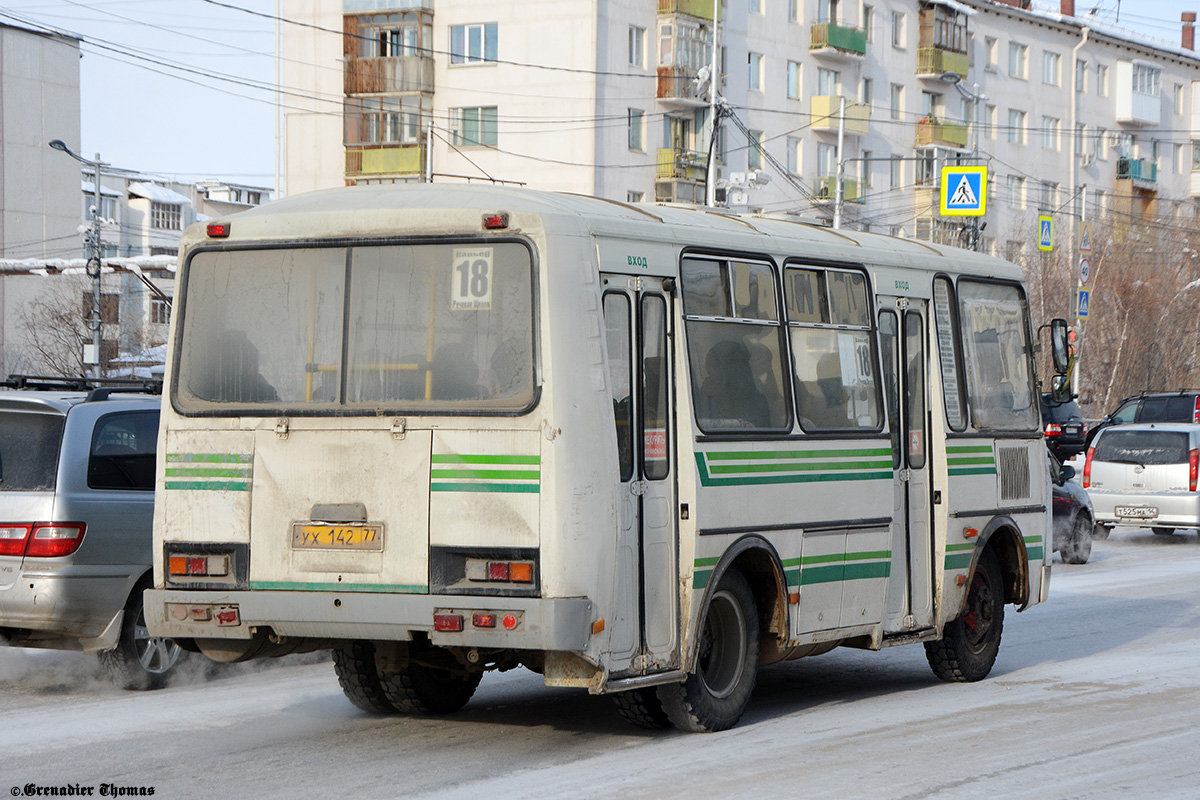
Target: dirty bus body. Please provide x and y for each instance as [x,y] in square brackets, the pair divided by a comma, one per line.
[640,450]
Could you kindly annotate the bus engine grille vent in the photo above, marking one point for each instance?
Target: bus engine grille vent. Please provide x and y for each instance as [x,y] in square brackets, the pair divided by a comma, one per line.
[1014,473]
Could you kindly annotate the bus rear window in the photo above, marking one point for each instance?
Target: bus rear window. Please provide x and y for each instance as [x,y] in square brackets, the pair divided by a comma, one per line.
[434,327]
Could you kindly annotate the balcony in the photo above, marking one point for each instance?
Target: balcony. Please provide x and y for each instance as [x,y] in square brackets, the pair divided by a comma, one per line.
[676,163]
[695,8]
[1137,94]
[677,89]
[1142,172]
[933,61]
[838,41]
[824,110]
[825,189]
[932,132]
[370,162]
[388,75]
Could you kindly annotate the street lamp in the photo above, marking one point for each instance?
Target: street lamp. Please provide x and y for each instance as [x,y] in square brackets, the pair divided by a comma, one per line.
[94,321]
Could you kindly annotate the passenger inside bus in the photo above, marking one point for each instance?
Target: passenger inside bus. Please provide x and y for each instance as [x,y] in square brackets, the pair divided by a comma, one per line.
[455,374]
[729,396]
[823,401]
[230,374]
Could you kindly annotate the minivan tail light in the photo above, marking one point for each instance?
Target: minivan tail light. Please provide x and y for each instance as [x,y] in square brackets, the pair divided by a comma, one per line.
[12,539]
[1196,410]
[1193,463]
[55,541]
[1087,467]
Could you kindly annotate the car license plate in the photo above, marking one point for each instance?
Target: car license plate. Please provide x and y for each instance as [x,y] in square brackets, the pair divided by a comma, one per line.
[1136,512]
[343,536]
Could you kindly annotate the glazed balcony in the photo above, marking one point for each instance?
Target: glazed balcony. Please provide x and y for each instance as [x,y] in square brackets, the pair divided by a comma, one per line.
[388,75]
[677,89]
[825,189]
[675,163]
[695,8]
[932,132]
[366,162]
[1141,171]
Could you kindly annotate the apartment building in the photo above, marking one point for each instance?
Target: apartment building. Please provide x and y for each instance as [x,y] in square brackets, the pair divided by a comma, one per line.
[611,98]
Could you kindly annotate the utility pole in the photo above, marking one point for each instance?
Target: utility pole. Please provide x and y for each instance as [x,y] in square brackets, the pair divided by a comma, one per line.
[841,165]
[95,253]
[710,174]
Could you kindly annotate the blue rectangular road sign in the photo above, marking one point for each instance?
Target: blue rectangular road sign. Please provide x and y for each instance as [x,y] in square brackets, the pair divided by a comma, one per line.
[963,191]
[1085,299]
[1045,232]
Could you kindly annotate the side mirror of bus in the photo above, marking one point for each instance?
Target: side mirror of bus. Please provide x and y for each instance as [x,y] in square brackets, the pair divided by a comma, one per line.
[1060,390]
[1059,346]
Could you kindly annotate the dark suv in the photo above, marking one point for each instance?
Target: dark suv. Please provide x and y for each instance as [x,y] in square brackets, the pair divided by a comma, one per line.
[1065,429]
[76,521]
[1181,406]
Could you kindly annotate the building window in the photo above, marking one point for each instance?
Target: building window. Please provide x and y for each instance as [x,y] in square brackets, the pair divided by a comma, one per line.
[1016,192]
[475,125]
[634,197]
[989,121]
[384,120]
[473,44]
[637,46]
[1050,126]
[897,100]
[636,125]
[1179,99]
[754,157]
[1051,68]
[895,173]
[1080,139]
[402,33]
[867,95]
[793,80]
[685,43]
[166,216]
[1102,80]
[829,82]
[160,311]
[1147,80]
[865,172]
[756,76]
[1018,61]
[794,10]
[108,206]
[1081,73]
[1049,196]
[827,162]
[898,29]
[756,6]
[991,53]
[794,162]
[1177,158]
[1016,126]
[1102,144]
[868,22]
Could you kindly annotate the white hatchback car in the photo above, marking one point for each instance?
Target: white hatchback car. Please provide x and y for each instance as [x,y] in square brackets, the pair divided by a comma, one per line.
[1145,475]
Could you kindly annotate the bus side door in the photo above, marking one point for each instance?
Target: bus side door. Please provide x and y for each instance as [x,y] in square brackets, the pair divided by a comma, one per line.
[637,319]
[906,378]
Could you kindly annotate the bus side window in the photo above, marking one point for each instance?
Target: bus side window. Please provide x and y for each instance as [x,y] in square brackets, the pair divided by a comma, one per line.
[829,323]
[734,348]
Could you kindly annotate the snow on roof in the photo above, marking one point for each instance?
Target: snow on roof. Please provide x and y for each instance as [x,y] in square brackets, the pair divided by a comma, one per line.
[158,194]
[90,189]
[1110,30]
[953,6]
[151,355]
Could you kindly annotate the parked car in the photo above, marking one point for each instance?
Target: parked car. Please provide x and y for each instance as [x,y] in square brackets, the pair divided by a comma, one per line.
[76,515]
[1145,475]
[1064,426]
[1074,519]
[1181,406]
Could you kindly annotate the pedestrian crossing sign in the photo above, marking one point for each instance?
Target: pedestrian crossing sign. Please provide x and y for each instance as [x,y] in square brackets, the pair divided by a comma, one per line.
[1045,232]
[964,191]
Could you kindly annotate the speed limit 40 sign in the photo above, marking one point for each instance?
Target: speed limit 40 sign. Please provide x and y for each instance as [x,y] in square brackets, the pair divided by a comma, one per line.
[1085,270]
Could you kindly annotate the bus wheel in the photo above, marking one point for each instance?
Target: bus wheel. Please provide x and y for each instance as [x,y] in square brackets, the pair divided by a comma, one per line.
[969,644]
[1078,548]
[642,708]
[354,663]
[418,689]
[717,691]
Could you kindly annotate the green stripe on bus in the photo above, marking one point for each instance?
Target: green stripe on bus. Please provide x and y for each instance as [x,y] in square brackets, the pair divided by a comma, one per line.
[305,586]
[486,474]
[512,488]
[866,555]
[701,577]
[958,561]
[210,486]
[207,472]
[974,471]
[707,562]
[878,569]
[1033,539]
[1035,553]
[961,546]
[795,467]
[209,458]
[767,455]
[790,562]
[965,460]
[459,458]
[969,448]
[792,577]
[830,574]
[810,478]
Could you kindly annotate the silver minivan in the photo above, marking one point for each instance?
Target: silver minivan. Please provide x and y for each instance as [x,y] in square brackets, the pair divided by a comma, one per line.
[1145,475]
[76,524]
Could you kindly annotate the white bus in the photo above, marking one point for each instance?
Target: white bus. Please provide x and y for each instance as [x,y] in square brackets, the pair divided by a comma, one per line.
[638,449]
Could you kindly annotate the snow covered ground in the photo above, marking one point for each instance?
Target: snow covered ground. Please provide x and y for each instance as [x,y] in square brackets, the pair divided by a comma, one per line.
[1095,695]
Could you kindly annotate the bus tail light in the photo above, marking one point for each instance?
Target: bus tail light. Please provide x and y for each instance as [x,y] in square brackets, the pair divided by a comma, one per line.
[491,571]
[198,566]
[1087,468]
[448,622]
[1193,464]
[218,230]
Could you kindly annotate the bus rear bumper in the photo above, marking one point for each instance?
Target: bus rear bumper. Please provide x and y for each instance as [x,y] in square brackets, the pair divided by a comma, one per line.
[516,622]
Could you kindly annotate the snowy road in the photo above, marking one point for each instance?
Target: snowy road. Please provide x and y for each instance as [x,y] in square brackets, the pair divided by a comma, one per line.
[1095,695]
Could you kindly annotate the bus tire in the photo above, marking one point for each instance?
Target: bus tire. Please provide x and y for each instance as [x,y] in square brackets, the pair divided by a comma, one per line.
[969,644]
[1078,548]
[715,694]
[354,663]
[643,708]
[418,689]
[140,661]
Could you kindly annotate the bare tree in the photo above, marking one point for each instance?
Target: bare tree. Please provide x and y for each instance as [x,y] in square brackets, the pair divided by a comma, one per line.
[54,330]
